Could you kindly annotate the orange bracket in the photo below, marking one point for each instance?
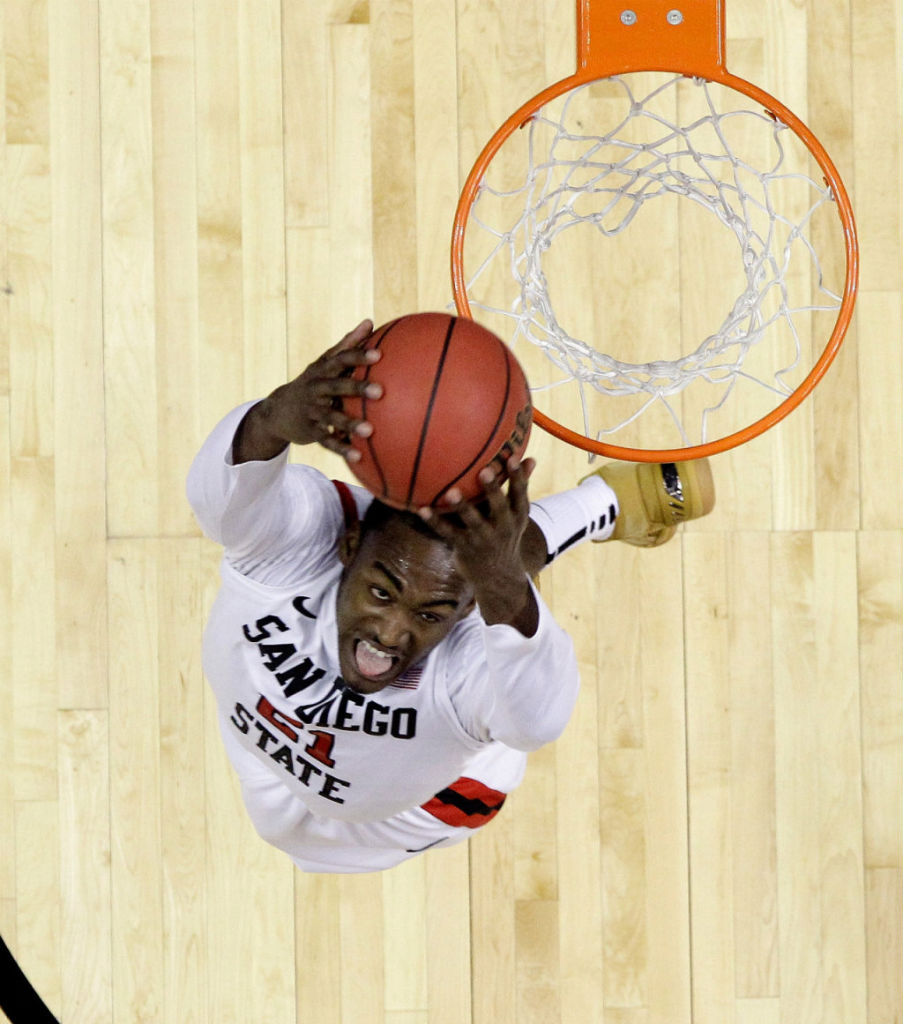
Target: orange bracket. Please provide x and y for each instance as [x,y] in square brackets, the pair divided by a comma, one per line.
[616,36]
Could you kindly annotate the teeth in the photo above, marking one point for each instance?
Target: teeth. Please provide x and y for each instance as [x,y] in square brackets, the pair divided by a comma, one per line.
[375,651]
[371,661]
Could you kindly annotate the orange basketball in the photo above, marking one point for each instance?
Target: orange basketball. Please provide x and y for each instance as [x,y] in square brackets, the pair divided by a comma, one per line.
[454,401]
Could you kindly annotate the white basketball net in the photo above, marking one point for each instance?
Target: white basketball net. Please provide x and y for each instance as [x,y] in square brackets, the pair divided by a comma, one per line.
[665,142]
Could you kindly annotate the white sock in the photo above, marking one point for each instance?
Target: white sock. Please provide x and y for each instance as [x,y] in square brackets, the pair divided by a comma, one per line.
[586,512]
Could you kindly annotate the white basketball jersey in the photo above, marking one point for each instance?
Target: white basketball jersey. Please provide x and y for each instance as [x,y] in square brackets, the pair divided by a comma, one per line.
[470,709]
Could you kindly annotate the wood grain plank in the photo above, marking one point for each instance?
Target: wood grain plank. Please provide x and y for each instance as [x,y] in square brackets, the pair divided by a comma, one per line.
[29,335]
[318,947]
[221,353]
[350,188]
[86,962]
[880,411]
[538,964]
[581,886]
[752,702]
[135,811]
[876,163]
[709,762]
[79,441]
[435,166]
[363,952]
[392,134]
[129,329]
[623,820]
[667,844]
[797,788]
[881,668]
[448,935]
[305,88]
[262,194]
[404,928]
[842,948]
[175,191]
[183,890]
[26,73]
[492,921]
[35,690]
[533,807]
[884,897]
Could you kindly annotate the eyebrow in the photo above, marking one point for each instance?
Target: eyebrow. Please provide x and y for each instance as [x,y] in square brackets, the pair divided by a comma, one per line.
[386,572]
[399,586]
[441,603]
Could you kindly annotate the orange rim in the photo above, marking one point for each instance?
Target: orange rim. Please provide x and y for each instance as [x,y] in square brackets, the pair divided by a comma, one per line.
[707,58]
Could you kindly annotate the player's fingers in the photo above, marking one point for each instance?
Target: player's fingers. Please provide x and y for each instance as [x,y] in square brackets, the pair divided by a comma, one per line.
[345,387]
[337,422]
[335,431]
[493,494]
[348,358]
[326,373]
[338,443]
[350,343]
[472,517]
[438,523]
[449,501]
[519,474]
[355,336]
[322,377]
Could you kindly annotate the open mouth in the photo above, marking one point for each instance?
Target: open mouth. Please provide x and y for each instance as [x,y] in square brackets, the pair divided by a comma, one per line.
[372,662]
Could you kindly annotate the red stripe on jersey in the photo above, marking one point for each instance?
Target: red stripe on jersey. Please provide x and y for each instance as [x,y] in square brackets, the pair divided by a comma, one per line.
[466,803]
[349,505]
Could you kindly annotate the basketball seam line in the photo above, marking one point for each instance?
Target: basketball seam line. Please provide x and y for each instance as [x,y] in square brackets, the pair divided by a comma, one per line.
[492,433]
[429,409]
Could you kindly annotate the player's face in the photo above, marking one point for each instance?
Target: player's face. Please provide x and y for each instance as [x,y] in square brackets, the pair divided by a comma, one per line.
[400,595]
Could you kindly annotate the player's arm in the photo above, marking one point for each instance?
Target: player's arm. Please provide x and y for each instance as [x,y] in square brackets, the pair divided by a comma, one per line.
[523,689]
[306,410]
[534,550]
[240,487]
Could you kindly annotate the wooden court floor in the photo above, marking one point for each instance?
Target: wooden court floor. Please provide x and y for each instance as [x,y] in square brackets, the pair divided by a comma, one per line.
[199,196]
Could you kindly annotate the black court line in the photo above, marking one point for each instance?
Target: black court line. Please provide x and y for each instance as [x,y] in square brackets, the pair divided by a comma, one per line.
[18,998]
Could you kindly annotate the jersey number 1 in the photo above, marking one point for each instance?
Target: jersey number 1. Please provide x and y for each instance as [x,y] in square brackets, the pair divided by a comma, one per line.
[321,747]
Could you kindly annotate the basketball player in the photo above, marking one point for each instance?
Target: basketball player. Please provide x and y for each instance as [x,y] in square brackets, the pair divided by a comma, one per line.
[381,676]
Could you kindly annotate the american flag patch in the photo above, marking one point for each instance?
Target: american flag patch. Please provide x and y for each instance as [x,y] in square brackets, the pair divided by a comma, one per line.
[409,679]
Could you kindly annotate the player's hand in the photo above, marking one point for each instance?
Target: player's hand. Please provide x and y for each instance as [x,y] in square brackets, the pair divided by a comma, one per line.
[486,537]
[308,409]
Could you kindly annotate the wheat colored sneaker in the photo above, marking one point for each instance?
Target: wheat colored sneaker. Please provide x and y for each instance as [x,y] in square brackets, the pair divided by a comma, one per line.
[655,498]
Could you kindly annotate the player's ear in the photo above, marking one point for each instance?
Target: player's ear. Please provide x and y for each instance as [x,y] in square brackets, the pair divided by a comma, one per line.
[349,543]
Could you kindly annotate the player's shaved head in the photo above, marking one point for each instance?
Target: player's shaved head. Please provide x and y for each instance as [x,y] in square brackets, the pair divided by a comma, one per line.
[378,515]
